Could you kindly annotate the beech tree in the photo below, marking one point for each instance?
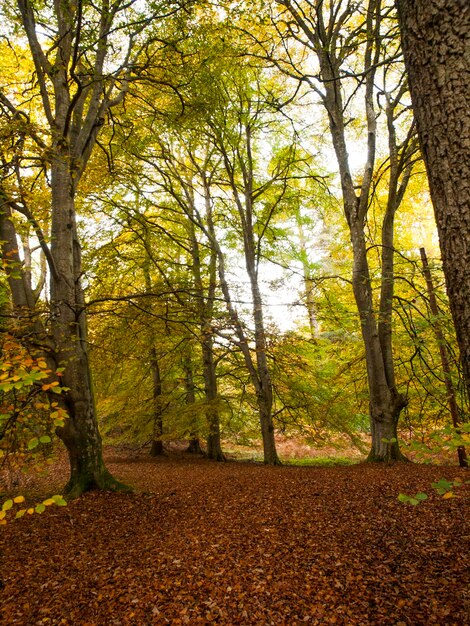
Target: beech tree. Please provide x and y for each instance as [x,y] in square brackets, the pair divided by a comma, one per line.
[316,43]
[83,55]
[436,45]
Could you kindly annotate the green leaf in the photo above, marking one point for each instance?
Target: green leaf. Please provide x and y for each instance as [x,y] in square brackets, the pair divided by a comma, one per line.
[45,439]
[421,496]
[20,513]
[40,508]
[59,500]
[442,486]
[7,505]
[33,443]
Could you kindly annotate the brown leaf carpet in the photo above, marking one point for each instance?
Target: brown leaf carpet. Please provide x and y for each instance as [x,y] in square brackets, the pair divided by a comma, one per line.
[231,543]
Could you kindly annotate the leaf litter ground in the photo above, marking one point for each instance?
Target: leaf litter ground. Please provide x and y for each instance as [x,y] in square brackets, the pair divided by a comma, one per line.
[240,543]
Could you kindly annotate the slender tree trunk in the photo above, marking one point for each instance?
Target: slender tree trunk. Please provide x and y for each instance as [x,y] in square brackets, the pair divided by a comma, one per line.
[262,380]
[264,388]
[205,311]
[309,285]
[436,45]
[214,448]
[444,354]
[194,446]
[156,449]
[263,393]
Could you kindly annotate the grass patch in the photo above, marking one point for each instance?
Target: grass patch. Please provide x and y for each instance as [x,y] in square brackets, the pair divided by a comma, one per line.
[320,461]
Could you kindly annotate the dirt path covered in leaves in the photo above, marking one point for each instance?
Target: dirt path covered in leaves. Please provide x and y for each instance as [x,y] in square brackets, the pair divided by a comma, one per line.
[232,543]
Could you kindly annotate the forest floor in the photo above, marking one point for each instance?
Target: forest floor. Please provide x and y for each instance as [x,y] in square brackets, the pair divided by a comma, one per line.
[232,543]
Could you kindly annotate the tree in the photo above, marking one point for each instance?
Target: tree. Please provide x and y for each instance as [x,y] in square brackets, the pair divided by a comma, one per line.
[436,45]
[327,34]
[82,70]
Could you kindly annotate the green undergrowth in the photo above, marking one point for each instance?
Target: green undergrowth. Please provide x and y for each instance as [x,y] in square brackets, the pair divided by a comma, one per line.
[320,461]
[308,461]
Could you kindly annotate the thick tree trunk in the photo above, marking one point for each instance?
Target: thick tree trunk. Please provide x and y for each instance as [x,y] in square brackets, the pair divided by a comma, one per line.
[436,44]
[385,446]
[74,107]
[80,433]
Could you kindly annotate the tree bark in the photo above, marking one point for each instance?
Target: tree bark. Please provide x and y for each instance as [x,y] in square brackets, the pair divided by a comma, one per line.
[436,45]
[156,448]
[194,446]
[444,354]
[80,433]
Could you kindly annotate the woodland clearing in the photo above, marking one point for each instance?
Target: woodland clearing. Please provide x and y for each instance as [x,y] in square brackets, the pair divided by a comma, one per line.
[200,542]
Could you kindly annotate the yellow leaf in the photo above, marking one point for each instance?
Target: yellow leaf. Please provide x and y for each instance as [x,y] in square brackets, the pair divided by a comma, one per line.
[48,501]
[18,499]
[3,522]
[2,514]
[448,495]
[30,511]
[42,364]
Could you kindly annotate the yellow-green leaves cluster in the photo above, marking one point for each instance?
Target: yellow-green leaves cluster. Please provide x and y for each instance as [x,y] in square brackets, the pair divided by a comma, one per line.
[8,507]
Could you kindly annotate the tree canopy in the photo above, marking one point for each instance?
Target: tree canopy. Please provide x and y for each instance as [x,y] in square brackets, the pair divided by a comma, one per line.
[211,222]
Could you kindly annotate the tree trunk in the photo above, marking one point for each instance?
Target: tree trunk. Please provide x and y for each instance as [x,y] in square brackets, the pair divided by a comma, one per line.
[156,449]
[264,387]
[263,383]
[205,312]
[385,404]
[444,354]
[194,446]
[214,448]
[436,44]
[309,284]
[80,433]
[74,107]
